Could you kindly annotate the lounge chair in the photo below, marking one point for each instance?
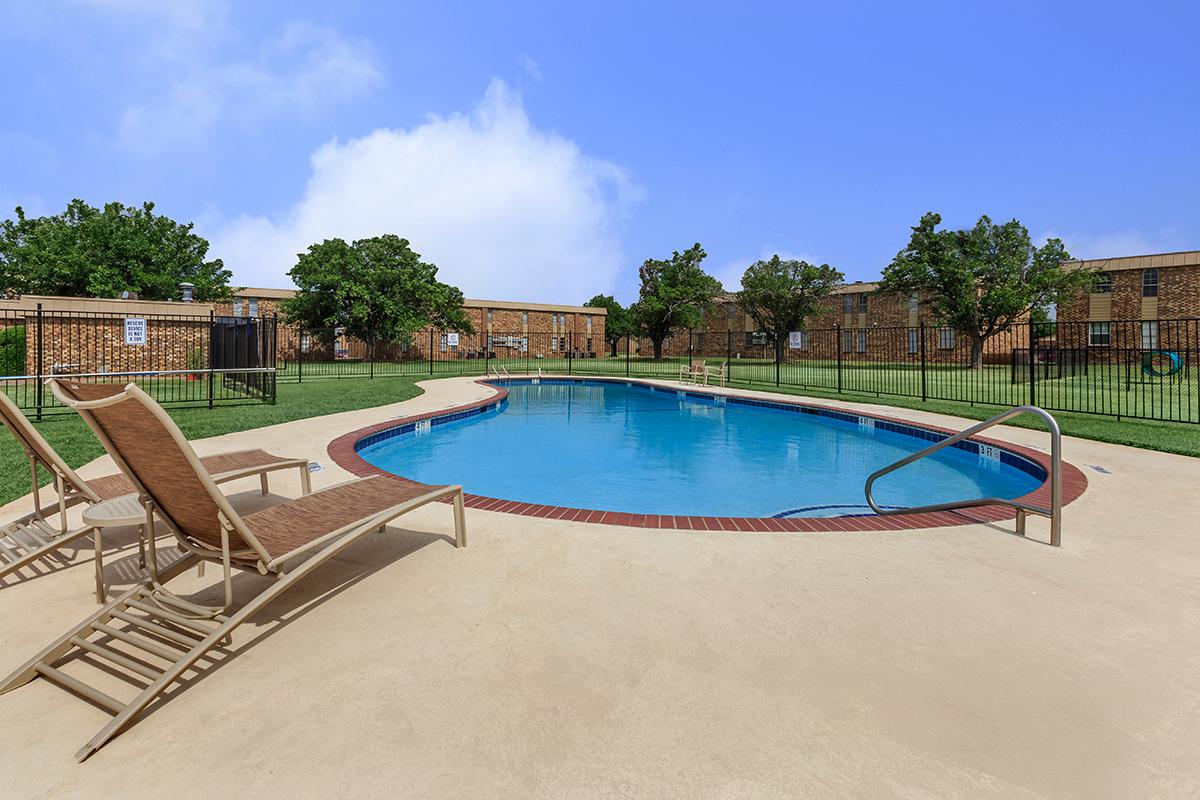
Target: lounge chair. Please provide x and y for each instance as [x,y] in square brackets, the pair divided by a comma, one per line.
[32,538]
[716,373]
[286,541]
[693,372]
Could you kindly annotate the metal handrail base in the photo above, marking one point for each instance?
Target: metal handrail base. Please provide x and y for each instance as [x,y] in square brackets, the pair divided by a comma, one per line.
[1054,512]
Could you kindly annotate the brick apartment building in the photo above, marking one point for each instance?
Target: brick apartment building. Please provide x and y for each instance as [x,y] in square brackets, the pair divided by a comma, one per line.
[1143,303]
[502,329]
[858,320]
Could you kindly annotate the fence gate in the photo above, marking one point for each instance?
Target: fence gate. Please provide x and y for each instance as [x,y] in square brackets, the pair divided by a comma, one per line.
[242,343]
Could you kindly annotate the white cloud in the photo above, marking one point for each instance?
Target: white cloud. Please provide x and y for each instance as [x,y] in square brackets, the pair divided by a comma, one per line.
[530,68]
[303,69]
[505,210]
[1120,243]
[729,273]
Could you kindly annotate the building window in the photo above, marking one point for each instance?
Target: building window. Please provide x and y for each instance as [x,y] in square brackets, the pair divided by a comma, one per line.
[443,342]
[862,303]
[861,344]
[524,319]
[1103,283]
[305,343]
[237,307]
[847,341]
[1149,283]
[913,301]
[253,306]
[914,343]
[553,344]
[489,318]
[847,304]
[1099,334]
[729,315]
[587,321]
[589,344]
[699,341]
[1150,334]
[946,338]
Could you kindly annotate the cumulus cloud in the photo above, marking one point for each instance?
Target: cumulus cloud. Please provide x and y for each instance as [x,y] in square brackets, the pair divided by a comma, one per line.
[505,210]
[729,273]
[303,69]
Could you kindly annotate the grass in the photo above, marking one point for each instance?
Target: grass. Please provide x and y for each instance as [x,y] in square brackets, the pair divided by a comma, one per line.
[68,434]
[314,398]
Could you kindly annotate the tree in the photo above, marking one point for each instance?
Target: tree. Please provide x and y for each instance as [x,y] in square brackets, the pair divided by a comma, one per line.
[982,280]
[376,289]
[618,322]
[673,292]
[91,252]
[782,295]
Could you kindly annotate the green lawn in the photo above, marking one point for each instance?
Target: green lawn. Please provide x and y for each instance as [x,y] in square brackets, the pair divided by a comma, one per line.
[70,436]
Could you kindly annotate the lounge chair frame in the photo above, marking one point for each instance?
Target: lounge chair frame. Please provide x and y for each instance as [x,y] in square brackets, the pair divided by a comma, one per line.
[151,606]
[31,538]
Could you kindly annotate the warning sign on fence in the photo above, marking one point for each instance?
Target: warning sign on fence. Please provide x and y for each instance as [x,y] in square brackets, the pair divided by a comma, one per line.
[135,330]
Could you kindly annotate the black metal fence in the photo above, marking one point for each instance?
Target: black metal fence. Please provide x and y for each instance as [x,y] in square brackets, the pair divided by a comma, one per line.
[1137,369]
[179,359]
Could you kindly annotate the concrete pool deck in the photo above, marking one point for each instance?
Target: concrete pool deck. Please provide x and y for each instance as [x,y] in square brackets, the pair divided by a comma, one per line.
[562,659]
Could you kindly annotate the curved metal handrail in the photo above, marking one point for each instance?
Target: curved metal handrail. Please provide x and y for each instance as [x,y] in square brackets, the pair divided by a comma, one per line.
[1054,512]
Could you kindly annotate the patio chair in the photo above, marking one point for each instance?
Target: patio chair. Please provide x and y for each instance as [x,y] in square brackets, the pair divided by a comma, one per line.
[31,538]
[285,542]
[716,373]
[693,372]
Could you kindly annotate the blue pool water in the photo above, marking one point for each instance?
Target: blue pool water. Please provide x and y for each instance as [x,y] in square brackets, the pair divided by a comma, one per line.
[621,447]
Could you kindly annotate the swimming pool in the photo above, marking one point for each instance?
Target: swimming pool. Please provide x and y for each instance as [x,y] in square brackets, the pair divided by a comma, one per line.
[638,449]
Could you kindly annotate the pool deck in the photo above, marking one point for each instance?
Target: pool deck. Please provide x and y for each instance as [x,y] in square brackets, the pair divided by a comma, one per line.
[565,659]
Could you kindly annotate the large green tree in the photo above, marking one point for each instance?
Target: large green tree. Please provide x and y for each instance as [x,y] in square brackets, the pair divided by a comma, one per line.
[781,295]
[981,280]
[674,291]
[377,289]
[92,252]
[618,321]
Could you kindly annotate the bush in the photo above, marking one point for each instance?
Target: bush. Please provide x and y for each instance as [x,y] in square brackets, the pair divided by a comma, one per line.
[12,350]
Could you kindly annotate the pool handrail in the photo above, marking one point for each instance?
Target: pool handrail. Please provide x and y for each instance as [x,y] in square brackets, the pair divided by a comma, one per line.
[1054,512]
[496,370]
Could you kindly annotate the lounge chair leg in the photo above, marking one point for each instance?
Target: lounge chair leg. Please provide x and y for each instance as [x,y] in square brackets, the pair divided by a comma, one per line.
[99,558]
[460,520]
[262,478]
[305,480]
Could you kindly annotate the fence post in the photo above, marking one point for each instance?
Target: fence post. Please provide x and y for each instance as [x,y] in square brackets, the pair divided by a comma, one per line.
[371,357]
[728,356]
[924,388]
[628,339]
[431,351]
[274,358]
[837,348]
[570,349]
[212,356]
[1032,364]
[299,353]
[39,364]
[778,356]
[487,351]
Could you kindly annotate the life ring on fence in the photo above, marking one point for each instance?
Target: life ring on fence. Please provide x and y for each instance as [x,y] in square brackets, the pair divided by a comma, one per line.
[1150,365]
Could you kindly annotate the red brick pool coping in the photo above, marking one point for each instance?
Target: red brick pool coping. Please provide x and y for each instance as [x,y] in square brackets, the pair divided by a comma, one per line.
[1074,482]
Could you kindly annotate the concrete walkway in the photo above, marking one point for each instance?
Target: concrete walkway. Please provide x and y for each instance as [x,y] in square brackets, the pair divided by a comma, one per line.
[552,659]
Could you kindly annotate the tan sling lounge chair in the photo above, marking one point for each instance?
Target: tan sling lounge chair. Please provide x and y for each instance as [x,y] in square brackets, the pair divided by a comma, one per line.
[167,632]
[693,372]
[32,538]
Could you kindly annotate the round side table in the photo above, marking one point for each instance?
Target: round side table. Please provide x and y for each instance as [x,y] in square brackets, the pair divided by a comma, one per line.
[118,512]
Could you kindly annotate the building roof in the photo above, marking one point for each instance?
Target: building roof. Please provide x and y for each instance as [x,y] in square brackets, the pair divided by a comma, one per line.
[264,294]
[1182,258]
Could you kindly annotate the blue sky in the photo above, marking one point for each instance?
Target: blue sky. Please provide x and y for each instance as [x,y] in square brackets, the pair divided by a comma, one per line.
[541,152]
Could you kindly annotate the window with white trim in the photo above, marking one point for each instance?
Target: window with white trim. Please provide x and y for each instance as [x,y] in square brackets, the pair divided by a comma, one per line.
[1150,282]
[1103,283]
[1150,334]
[861,344]
[847,341]
[946,338]
[253,306]
[237,307]
[443,342]
[914,300]
[847,304]
[1099,334]
[914,342]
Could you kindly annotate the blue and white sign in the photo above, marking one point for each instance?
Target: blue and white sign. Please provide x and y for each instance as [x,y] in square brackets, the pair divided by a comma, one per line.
[135,331]
[796,340]
[452,339]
